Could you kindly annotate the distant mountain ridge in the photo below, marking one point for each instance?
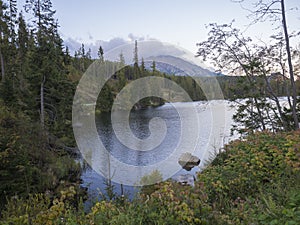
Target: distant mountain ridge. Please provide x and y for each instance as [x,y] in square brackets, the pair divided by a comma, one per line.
[170,59]
[177,66]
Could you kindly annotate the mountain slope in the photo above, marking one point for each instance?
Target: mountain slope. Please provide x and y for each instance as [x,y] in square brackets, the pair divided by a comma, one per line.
[177,66]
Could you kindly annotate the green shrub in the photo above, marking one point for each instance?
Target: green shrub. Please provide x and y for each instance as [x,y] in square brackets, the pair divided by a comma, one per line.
[255,181]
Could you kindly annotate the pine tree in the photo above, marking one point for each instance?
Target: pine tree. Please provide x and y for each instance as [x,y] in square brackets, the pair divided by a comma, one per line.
[153,67]
[67,57]
[22,49]
[121,59]
[100,54]
[82,51]
[89,54]
[3,38]
[42,12]
[136,61]
[11,55]
[143,68]
[12,14]
[46,58]
[136,58]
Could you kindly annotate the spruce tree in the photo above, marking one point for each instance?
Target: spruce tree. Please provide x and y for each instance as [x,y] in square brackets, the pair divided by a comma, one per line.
[22,43]
[46,59]
[122,59]
[12,21]
[3,38]
[101,54]
[136,58]
[136,61]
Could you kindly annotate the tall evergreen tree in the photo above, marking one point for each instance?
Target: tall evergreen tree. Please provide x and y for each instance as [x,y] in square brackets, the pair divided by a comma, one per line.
[12,14]
[67,56]
[47,57]
[11,67]
[143,68]
[22,46]
[3,37]
[122,59]
[153,67]
[101,54]
[136,61]
[42,12]
[135,57]
[82,50]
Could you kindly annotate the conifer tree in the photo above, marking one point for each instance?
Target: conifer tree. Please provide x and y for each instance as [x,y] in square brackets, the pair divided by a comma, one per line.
[101,54]
[3,37]
[136,58]
[136,61]
[121,59]
[12,15]
[22,49]
[46,58]
[153,67]
[143,68]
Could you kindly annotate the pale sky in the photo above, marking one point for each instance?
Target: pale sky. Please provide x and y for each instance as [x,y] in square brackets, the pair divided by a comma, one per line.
[179,22]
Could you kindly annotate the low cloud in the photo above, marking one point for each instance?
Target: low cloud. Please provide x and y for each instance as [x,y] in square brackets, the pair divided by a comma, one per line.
[147,49]
[75,44]
[133,37]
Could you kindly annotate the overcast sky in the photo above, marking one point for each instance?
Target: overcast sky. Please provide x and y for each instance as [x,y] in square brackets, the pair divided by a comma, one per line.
[179,22]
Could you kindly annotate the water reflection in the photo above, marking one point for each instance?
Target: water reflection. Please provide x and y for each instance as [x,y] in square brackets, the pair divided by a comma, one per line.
[213,134]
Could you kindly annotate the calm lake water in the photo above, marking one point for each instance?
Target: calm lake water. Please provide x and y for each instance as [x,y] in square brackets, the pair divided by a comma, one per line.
[215,122]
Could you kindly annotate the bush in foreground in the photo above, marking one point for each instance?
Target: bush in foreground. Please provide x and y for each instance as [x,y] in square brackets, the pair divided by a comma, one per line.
[254,181]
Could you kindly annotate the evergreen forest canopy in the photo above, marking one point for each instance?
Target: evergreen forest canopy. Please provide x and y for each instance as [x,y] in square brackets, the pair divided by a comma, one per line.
[39,178]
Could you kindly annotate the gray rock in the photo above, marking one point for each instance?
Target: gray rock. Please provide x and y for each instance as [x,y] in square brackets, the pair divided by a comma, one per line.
[188,161]
[186,179]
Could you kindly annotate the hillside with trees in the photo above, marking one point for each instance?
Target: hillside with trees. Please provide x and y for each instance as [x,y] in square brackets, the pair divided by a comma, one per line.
[254,180]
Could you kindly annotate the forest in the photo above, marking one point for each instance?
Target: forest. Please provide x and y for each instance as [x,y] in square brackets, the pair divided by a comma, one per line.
[254,180]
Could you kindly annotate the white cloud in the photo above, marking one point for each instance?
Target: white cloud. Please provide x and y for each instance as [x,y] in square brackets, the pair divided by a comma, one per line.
[75,44]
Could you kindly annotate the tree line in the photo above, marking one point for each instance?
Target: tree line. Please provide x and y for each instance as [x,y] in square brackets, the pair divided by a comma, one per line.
[36,94]
[39,78]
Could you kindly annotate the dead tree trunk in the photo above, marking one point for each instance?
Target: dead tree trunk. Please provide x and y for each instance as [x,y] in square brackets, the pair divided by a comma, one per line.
[291,71]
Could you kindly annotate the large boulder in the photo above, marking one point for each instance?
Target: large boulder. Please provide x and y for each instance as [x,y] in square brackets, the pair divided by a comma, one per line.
[188,161]
[186,179]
